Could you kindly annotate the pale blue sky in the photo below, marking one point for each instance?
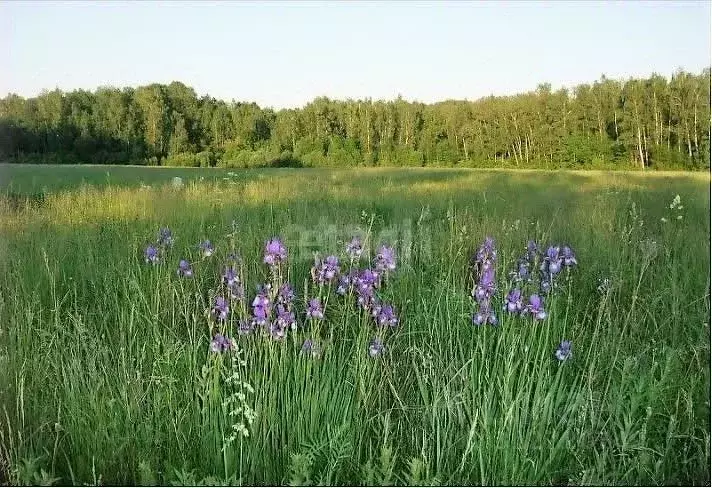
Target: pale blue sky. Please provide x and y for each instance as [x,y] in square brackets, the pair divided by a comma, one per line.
[285,54]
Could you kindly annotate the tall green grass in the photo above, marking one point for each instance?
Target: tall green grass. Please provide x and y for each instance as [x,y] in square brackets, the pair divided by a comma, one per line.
[106,377]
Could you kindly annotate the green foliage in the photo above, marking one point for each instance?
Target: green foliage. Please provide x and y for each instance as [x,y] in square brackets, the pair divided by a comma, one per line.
[638,123]
[106,378]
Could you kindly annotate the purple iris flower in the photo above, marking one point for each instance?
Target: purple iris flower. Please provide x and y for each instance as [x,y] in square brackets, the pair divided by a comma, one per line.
[165,237]
[532,251]
[325,271]
[230,276]
[261,306]
[314,309]
[260,315]
[275,252]
[184,269]
[151,255]
[386,316]
[206,248]
[375,348]
[514,302]
[385,260]
[262,298]
[365,296]
[487,253]
[563,352]
[220,343]
[232,281]
[344,284]
[486,287]
[285,317]
[370,278]
[331,264]
[220,309]
[522,271]
[285,294]
[485,315]
[311,348]
[536,307]
[552,261]
[354,248]
[569,256]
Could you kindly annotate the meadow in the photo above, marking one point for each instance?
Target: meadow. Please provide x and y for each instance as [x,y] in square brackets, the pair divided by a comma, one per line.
[117,367]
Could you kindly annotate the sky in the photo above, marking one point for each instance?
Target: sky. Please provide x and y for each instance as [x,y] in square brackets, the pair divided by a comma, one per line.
[284,54]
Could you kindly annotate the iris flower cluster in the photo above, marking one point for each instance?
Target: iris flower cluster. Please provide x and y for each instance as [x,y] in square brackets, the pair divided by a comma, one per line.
[272,310]
[360,283]
[364,283]
[152,252]
[550,265]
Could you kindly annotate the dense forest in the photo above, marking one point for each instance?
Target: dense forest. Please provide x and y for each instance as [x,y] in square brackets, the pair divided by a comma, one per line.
[638,123]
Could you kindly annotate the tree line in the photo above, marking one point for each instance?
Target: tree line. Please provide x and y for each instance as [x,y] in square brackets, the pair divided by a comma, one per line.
[638,123]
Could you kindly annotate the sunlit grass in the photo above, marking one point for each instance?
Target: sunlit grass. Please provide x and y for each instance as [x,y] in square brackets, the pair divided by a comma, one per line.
[102,357]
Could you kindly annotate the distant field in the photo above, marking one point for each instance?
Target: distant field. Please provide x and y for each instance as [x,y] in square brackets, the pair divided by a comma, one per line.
[106,372]
[32,178]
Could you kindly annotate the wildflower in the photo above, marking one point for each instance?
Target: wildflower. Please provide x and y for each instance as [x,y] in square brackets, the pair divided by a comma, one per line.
[486,287]
[386,316]
[522,271]
[230,277]
[206,248]
[261,306]
[325,271]
[552,261]
[151,255]
[285,294]
[220,343]
[370,278]
[484,315]
[486,255]
[314,309]
[663,220]
[344,284]
[532,251]
[514,303]
[260,315]
[285,317]
[365,296]
[568,256]
[385,260]
[262,298]
[563,352]
[536,307]
[165,237]
[220,309]
[184,269]
[232,280]
[311,348]
[354,248]
[375,348]
[275,252]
